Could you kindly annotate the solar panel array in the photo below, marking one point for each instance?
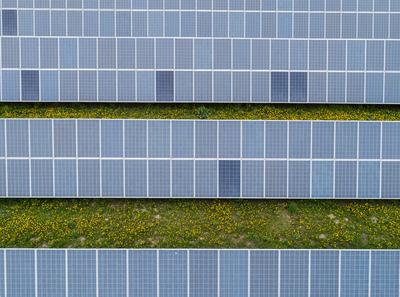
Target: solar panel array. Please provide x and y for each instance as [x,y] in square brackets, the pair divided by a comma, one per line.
[199,159]
[211,273]
[304,51]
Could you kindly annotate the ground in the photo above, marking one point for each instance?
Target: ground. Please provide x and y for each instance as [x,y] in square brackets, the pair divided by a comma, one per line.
[200,223]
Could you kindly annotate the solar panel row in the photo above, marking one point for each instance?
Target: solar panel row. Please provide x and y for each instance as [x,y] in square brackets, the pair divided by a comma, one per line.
[304,51]
[200,23]
[69,69]
[210,273]
[202,159]
[282,5]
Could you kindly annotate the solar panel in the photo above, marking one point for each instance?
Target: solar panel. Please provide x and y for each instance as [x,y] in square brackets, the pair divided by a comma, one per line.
[199,159]
[213,273]
[259,51]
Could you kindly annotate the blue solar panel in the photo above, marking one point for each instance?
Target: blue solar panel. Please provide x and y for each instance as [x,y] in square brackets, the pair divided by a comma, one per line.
[82,276]
[252,177]
[51,273]
[206,179]
[17,138]
[143,272]
[159,178]
[233,273]
[112,270]
[64,138]
[136,178]
[324,273]
[3,181]
[159,138]
[206,139]
[20,273]
[41,139]
[182,178]
[354,273]
[112,179]
[229,139]
[253,140]
[264,273]
[42,178]
[299,139]
[203,270]
[173,274]
[368,179]
[89,178]
[276,178]
[294,273]
[299,179]
[18,178]
[88,138]
[384,273]
[65,178]
[2,139]
[322,179]
[276,139]
[182,139]
[322,140]
[205,159]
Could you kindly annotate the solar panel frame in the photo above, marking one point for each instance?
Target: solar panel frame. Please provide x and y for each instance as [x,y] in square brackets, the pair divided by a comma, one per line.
[215,272]
[199,159]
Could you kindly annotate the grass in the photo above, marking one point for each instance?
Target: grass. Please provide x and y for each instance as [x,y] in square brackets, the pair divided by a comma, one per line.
[197,223]
[192,111]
